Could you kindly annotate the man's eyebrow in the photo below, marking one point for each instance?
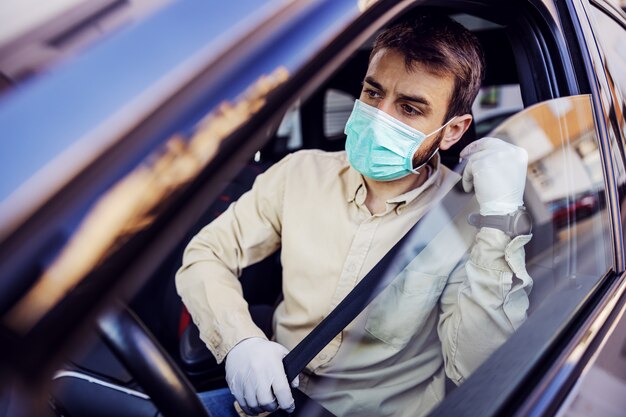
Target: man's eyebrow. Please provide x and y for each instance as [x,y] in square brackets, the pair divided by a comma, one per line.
[415,99]
[374,83]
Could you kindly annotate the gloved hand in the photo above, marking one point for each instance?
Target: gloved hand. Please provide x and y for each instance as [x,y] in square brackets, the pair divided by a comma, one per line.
[496,170]
[256,377]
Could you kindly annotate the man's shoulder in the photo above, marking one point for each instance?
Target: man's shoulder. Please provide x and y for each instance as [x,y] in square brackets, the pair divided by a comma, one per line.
[320,155]
[312,169]
[318,158]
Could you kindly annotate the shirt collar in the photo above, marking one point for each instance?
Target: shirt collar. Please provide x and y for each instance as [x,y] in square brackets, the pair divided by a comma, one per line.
[354,184]
[356,191]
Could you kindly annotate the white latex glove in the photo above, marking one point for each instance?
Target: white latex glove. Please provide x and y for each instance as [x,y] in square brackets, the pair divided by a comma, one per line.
[496,170]
[256,376]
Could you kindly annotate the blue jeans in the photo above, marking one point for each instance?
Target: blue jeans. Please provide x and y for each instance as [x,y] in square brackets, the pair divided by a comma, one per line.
[219,402]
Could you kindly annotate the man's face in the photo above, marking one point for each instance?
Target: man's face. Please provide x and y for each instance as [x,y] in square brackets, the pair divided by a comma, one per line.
[418,98]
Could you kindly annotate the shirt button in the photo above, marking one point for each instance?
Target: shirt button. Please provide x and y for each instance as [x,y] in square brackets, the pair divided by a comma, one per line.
[351,268]
[322,356]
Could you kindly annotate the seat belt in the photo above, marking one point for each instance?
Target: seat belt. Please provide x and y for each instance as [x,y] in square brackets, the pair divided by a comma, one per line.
[374,282]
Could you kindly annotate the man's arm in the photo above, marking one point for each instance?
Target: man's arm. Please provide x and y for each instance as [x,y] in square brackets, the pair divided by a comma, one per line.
[486,297]
[247,232]
[484,302]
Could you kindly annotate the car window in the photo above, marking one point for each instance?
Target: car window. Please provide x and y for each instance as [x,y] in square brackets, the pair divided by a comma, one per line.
[337,108]
[544,277]
[290,129]
[115,217]
[565,257]
[494,104]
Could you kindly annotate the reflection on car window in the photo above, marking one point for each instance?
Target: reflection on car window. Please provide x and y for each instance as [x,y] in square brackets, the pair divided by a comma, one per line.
[444,273]
[565,189]
[133,203]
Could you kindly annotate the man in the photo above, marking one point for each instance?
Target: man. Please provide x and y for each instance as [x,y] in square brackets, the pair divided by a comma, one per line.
[336,214]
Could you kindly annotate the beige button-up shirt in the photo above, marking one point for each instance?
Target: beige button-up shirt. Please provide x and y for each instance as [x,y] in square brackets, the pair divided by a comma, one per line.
[462,294]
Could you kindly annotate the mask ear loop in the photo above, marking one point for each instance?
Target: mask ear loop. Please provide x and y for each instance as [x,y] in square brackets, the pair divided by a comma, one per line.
[416,169]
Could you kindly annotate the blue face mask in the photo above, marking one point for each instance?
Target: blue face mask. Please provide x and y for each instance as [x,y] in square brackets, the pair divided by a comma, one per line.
[381,147]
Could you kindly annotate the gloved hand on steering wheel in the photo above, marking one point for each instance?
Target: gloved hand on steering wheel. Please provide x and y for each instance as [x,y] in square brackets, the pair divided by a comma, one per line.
[256,376]
[496,170]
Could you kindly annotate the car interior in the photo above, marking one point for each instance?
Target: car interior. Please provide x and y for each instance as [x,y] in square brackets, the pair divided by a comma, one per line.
[313,122]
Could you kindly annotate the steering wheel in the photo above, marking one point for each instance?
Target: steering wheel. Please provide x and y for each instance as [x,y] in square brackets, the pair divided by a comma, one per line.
[146,360]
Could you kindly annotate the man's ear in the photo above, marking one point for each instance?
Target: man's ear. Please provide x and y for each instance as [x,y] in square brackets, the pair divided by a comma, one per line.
[454,131]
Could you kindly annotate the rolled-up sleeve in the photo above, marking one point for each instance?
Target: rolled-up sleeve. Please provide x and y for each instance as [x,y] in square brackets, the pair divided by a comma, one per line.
[484,302]
[247,232]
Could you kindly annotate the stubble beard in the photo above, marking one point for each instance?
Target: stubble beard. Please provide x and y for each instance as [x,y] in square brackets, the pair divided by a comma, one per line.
[422,156]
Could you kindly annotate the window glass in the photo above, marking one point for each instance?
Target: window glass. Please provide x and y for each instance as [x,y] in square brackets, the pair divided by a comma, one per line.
[448,300]
[564,189]
[290,128]
[494,104]
[132,204]
[337,108]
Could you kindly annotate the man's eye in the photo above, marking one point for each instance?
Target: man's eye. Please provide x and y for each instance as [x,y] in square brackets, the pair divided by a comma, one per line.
[372,93]
[411,111]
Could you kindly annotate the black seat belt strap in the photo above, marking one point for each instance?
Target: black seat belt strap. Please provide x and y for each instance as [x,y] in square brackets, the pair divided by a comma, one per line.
[350,307]
[365,291]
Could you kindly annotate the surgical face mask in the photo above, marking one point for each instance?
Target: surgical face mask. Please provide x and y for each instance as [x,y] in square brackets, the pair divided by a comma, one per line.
[381,147]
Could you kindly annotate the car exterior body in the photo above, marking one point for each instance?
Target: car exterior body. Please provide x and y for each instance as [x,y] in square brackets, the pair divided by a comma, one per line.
[111,158]
[582,207]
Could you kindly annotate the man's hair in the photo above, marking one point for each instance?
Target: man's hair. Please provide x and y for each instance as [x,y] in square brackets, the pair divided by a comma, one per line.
[444,47]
